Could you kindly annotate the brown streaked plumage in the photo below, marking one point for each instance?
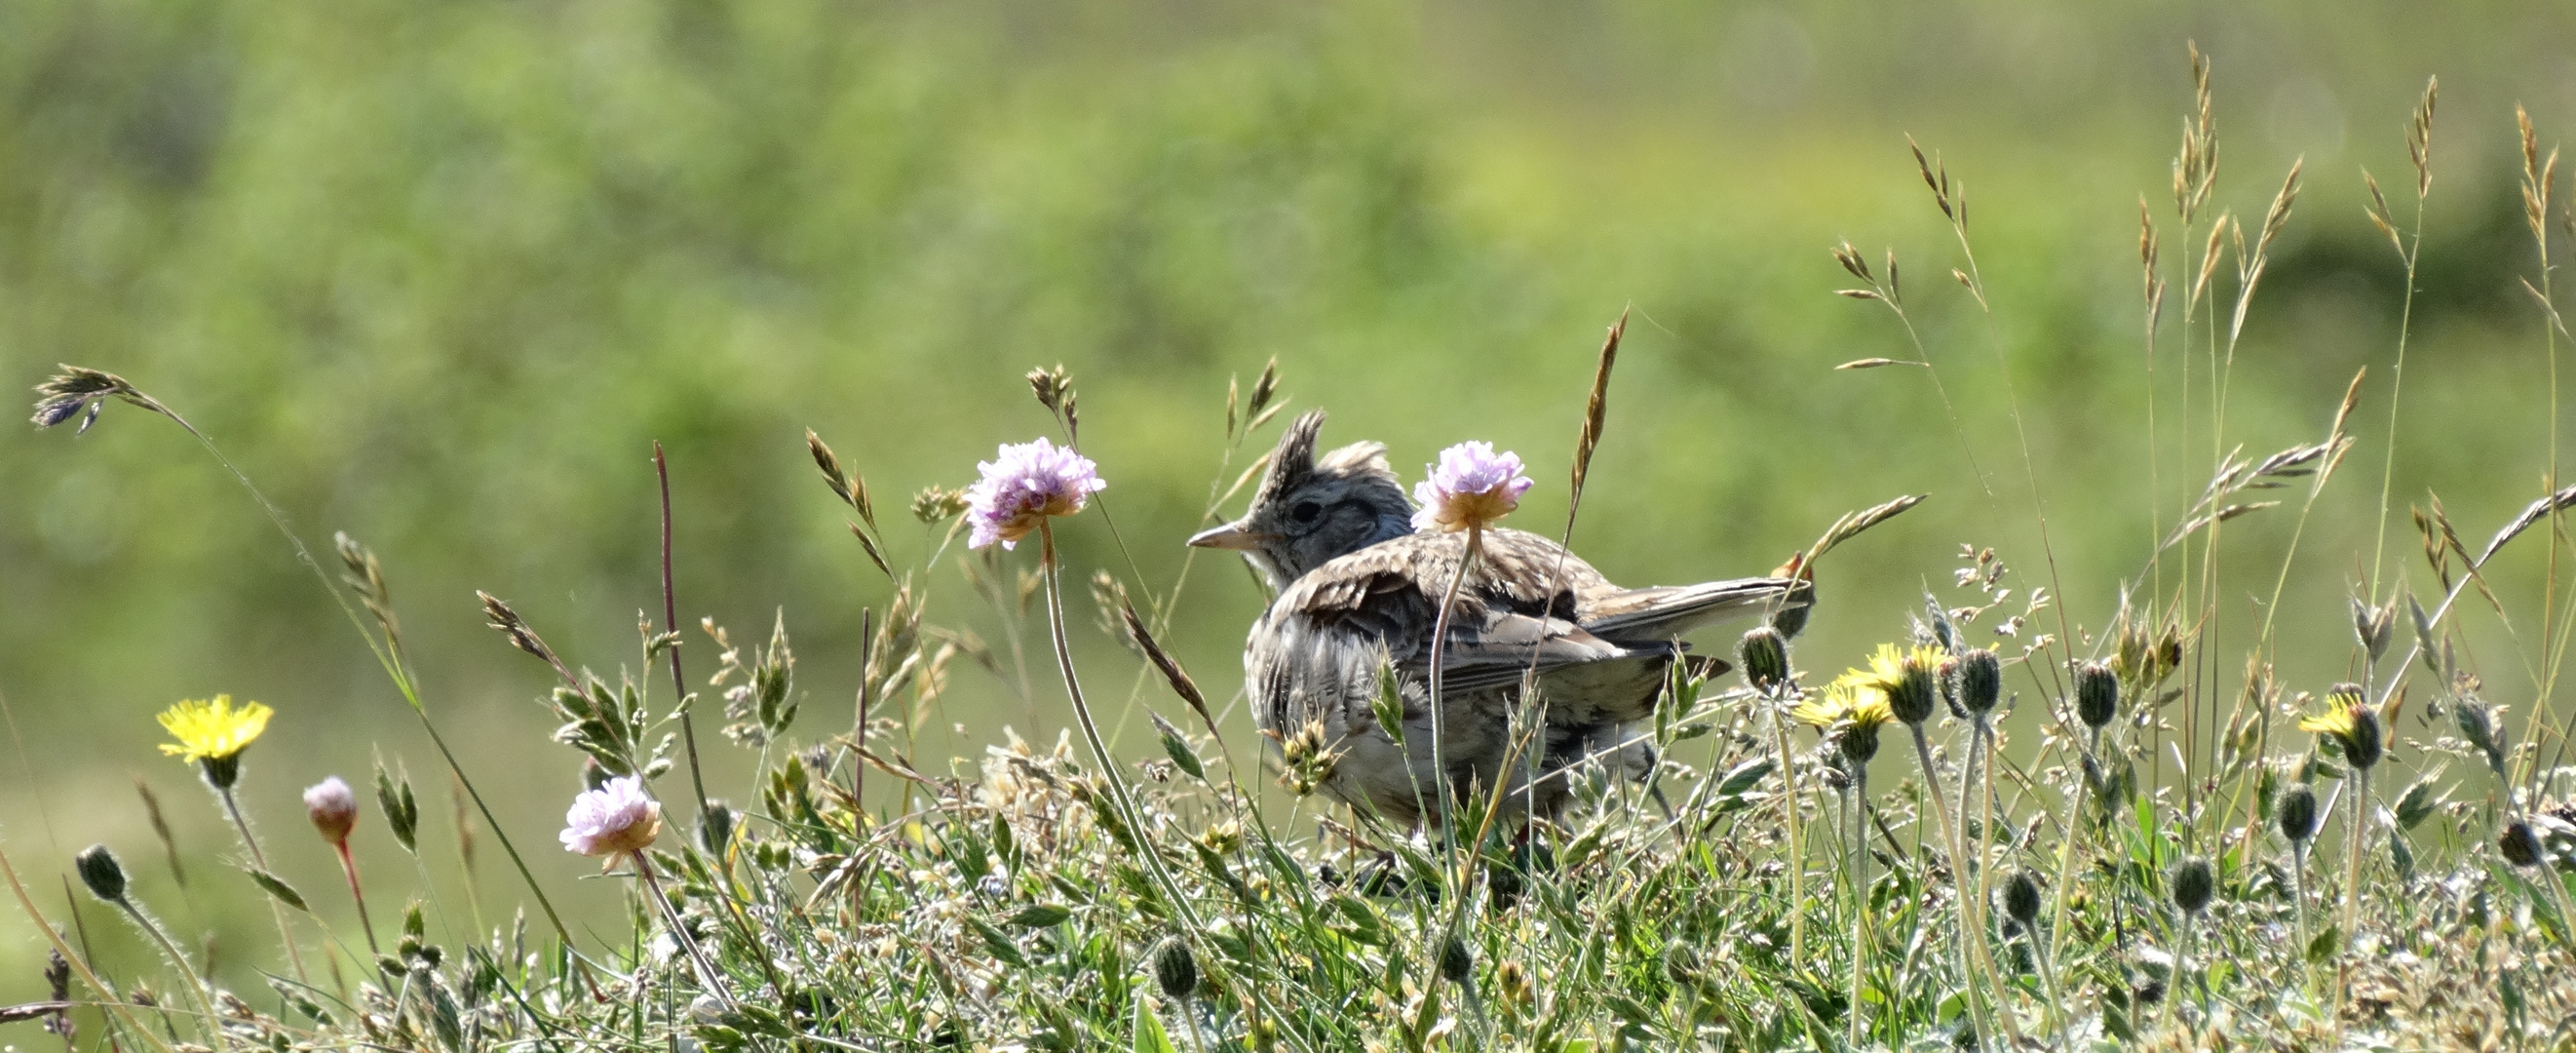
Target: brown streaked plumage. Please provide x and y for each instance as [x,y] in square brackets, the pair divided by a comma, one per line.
[1359,590]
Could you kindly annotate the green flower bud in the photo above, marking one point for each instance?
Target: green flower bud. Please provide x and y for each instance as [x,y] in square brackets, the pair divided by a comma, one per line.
[717,830]
[1763,654]
[1860,743]
[2297,813]
[2192,885]
[2021,898]
[2521,847]
[1176,971]
[1912,694]
[2097,695]
[1457,963]
[101,872]
[1977,679]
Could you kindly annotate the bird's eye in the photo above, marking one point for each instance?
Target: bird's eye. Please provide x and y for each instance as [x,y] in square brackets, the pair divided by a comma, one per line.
[1306,511]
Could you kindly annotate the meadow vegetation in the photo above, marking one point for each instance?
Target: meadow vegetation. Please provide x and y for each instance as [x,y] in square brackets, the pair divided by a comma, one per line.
[2125,803]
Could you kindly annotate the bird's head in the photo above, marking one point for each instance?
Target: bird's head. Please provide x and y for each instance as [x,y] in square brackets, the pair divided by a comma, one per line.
[1311,510]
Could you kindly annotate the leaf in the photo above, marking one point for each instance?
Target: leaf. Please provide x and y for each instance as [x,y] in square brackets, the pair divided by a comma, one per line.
[1744,777]
[2402,856]
[999,944]
[2323,946]
[1039,916]
[1149,1035]
[1177,747]
[277,889]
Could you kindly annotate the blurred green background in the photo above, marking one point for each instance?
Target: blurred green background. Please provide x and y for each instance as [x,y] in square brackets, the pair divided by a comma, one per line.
[439,274]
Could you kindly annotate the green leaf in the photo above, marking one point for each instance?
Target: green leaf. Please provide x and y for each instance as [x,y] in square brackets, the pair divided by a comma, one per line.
[2402,856]
[1744,777]
[1149,1034]
[999,943]
[2323,946]
[1177,748]
[277,889]
[1039,916]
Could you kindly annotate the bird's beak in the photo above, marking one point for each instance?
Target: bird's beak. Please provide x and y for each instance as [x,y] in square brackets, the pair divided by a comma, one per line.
[1231,535]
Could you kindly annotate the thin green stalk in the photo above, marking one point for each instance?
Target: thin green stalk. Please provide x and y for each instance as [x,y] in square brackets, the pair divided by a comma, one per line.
[286,935]
[2352,854]
[1440,647]
[707,973]
[196,984]
[388,655]
[1797,843]
[1119,800]
[1977,1008]
[1859,848]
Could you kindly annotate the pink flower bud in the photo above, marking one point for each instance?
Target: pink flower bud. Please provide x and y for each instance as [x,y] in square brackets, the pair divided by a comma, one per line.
[333,809]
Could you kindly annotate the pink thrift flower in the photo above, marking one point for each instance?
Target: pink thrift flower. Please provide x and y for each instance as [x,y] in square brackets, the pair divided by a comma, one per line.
[1026,484]
[615,818]
[1472,486]
[333,809]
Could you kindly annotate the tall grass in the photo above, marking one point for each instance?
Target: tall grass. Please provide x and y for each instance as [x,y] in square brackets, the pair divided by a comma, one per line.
[2065,890]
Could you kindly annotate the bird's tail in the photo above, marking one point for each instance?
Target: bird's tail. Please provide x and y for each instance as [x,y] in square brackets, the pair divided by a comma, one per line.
[1667,611]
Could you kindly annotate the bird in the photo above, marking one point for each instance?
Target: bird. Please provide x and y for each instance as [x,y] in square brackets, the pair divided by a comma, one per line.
[1358,592]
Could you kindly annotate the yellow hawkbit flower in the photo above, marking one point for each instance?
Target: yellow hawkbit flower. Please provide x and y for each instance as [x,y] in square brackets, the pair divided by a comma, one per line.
[212,730]
[2353,723]
[1851,711]
[212,735]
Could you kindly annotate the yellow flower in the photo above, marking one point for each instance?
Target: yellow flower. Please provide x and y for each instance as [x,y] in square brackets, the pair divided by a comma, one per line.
[2356,726]
[212,731]
[1850,701]
[1887,667]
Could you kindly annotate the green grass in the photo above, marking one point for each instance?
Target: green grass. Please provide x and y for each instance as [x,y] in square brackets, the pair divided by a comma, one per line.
[904,873]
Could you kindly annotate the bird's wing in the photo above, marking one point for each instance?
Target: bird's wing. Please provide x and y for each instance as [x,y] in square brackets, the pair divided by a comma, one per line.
[1513,614]
[1667,611]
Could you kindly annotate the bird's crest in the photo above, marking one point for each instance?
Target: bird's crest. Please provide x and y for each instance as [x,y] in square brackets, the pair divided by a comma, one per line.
[1292,462]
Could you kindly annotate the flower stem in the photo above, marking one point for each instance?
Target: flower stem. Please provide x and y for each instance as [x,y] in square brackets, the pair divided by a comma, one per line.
[1439,648]
[2352,857]
[196,983]
[1860,889]
[707,973]
[1797,844]
[232,807]
[349,866]
[1959,882]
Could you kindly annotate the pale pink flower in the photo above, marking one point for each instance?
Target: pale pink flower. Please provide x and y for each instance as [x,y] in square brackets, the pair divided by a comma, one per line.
[1023,486]
[617,817]
[1472,486]
[333,809]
